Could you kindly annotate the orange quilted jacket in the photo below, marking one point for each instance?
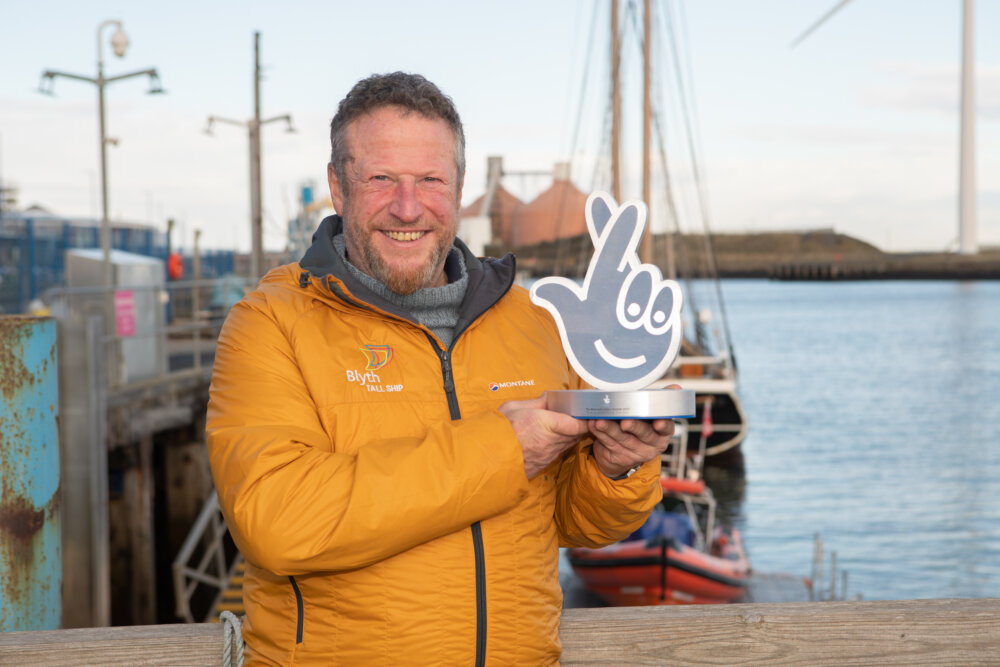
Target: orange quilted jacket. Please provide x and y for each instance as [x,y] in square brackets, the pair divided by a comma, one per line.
[377,495]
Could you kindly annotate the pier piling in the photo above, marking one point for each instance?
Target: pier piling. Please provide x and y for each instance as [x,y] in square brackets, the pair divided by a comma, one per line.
[30,531]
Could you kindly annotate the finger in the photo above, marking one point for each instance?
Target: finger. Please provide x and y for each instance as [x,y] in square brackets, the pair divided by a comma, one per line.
[599,210]
[664,426]
[620,238]
[567,425]
[654,433]
[538,403]
[604,426]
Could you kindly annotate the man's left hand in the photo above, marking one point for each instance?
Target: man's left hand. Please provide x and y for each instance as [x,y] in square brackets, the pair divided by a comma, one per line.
[622,445]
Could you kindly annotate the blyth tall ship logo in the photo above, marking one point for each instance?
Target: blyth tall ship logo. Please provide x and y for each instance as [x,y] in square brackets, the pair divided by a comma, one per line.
[377,355]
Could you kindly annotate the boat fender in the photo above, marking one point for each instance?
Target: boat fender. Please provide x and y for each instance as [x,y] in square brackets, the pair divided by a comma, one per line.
[685,486]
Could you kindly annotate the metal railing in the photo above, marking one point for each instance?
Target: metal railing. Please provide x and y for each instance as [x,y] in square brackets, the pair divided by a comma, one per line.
[154,333]
[205,544]
[128,372]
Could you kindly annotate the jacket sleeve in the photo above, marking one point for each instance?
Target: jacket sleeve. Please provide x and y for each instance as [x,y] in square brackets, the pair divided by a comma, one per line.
[295,506]
[593,510]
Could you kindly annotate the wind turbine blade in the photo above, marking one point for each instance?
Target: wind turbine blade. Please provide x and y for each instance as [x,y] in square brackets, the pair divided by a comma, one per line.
[820,22]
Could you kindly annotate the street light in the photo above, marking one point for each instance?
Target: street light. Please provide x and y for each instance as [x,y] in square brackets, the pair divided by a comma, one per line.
[119,44]
[253,126]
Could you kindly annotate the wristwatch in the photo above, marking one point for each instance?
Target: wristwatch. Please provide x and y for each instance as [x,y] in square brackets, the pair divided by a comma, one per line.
[625,475]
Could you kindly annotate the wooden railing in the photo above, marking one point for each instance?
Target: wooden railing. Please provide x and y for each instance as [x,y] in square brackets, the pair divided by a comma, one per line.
[912,632]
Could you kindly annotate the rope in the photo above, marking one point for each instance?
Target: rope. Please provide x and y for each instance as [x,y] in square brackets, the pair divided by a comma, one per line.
[232,636]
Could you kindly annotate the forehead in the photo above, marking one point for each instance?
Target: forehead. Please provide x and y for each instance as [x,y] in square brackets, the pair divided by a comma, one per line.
[394,130]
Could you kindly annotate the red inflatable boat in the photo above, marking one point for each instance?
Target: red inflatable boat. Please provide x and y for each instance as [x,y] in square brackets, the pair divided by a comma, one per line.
[665,561]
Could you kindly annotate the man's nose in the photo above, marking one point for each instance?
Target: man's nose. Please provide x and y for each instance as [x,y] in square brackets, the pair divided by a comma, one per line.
[405,206]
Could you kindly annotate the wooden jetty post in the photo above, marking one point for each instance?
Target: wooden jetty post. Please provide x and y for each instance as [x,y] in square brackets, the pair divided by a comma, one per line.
[912,632]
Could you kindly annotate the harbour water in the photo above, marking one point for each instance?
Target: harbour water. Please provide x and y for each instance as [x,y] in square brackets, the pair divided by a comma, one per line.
[874,413]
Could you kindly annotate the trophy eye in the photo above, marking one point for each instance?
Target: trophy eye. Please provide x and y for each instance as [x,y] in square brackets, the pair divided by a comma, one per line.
[661,308]
[634,298]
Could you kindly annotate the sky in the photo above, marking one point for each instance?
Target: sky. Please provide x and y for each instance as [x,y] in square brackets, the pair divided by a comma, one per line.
[855,129]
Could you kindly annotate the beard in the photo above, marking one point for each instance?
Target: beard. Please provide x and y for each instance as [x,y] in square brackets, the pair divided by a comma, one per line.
[371,262]
[402,282]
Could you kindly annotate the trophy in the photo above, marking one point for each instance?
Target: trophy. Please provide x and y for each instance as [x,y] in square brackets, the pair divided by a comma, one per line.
[620,329]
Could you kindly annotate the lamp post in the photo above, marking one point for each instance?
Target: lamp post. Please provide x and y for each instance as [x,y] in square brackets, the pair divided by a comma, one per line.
[119,44]
[253,130]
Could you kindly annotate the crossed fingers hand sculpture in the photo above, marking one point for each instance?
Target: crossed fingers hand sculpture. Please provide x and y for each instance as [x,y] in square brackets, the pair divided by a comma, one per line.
[620,329]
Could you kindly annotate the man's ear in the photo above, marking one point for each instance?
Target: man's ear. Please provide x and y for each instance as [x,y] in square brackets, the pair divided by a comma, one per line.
[336,191]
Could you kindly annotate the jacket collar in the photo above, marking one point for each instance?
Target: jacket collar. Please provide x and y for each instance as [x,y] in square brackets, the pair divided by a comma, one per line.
[489,278]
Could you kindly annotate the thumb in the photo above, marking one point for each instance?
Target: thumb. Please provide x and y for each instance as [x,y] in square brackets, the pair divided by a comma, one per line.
[540,403]
[557,295]
[566,425]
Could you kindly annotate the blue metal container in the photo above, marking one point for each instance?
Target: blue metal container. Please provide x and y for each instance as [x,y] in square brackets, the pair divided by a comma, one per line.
[30,531]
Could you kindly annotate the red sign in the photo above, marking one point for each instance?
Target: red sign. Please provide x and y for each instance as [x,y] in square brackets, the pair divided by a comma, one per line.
[124,313]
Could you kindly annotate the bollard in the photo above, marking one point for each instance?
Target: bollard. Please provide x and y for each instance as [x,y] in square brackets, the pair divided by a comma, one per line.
[30,532]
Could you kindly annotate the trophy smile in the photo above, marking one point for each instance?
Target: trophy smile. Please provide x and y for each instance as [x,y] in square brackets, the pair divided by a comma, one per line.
[616,361]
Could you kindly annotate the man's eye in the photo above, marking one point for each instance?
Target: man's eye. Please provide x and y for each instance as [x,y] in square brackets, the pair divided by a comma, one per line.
[380,177]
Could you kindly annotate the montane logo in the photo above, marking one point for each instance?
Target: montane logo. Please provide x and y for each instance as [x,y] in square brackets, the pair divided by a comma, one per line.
[497,386]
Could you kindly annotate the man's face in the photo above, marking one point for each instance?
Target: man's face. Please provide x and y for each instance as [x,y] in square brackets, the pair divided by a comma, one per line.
[400,205]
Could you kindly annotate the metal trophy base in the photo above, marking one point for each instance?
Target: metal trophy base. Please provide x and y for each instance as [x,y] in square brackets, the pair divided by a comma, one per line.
[639,404]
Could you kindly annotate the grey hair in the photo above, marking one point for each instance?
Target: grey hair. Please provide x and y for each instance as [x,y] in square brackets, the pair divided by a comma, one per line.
[409,92]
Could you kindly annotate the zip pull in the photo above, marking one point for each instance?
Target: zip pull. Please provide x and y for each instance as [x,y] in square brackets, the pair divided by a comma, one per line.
[449,380]
[304,279]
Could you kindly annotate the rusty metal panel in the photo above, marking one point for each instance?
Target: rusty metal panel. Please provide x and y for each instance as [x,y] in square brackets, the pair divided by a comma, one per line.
[30,532]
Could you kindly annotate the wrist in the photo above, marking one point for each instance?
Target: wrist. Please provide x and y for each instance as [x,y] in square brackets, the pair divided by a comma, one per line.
[625,475]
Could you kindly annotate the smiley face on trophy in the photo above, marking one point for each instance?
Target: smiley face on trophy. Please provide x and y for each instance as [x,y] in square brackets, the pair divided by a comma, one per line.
[620,329]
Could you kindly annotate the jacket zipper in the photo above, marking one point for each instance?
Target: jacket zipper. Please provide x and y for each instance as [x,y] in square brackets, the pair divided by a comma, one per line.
[299,609]
[477,529]
[449,382]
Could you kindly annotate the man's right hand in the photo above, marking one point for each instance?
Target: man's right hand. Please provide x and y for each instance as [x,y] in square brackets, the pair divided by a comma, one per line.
[543,434]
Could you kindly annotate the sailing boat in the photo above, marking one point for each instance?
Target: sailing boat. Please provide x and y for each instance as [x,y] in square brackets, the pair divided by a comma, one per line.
[549,236]
[679,555]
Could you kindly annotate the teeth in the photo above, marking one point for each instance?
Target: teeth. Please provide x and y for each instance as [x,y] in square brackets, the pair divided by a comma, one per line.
[404,236]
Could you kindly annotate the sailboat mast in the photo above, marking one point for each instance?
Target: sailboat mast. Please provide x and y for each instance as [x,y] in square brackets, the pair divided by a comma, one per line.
[616,104]
[646,249]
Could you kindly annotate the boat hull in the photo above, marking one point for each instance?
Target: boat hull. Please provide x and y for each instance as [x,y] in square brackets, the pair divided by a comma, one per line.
[664,571]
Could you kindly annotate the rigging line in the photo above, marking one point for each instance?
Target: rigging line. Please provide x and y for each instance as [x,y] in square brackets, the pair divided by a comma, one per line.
[670,201]
[702,199]
[702,189]
[561,210]
[690,121]
[668,190]
[682,251]
[577,32]
[583,82]
[682,248]
[823,19]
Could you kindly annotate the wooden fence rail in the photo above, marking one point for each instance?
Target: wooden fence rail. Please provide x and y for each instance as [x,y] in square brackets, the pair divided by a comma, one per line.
[912,632]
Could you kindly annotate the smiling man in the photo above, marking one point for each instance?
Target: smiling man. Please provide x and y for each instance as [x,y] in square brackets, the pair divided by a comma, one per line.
[399,186]
[378,431]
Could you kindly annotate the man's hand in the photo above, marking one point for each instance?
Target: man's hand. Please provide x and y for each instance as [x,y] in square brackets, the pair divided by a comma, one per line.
[622,445]
[543,434]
